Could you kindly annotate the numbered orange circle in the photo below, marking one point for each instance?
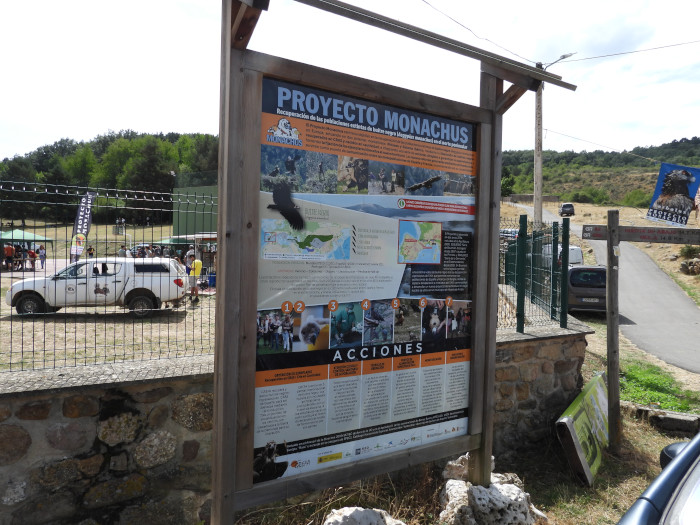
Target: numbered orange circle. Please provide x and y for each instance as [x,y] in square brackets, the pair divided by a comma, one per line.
[333,306]
[366,304]
[448,300]
[395,304]
[287,307]
[299,307]
[423,302]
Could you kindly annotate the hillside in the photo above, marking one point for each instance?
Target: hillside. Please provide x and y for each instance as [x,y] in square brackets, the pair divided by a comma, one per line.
[626,178]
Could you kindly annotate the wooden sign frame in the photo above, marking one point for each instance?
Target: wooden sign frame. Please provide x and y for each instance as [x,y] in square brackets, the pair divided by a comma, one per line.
[238,228]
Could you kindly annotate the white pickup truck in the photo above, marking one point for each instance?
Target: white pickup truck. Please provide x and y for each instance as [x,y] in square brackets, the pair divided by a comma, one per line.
[141,285]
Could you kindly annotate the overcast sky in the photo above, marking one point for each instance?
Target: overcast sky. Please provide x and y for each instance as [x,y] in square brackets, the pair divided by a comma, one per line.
[79,68]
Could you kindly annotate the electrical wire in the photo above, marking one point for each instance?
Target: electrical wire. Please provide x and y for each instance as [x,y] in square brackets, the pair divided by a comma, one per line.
[603,146]
[473,33]
[562,61]
[632,52]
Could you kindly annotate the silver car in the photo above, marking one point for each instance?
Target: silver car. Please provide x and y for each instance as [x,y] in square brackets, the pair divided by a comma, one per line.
[587,288]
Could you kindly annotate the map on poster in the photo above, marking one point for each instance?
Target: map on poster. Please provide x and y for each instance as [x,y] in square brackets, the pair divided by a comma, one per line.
[420,242]
[367,218]
[319,241]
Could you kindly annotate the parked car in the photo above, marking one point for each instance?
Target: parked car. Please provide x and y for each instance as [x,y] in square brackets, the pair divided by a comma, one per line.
[566,209]
[575,255]
[674,496]
[509,234]
[587,288]
[141,285]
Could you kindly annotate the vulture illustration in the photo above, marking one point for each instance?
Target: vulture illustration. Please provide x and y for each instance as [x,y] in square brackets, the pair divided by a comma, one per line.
[674,193]
[425,184]
[283,203]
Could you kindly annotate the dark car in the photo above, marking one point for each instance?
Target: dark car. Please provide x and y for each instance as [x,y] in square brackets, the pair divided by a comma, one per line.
[674,496]
[587,288]
[566,209]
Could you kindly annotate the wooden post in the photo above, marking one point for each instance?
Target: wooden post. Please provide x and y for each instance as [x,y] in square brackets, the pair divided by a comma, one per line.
[613,315]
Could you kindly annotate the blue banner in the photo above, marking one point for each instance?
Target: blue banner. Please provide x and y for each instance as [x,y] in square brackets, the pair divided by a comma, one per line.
[673,198]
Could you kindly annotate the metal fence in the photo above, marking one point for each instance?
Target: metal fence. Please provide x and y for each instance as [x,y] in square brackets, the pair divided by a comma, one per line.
[532,287]
[72,319]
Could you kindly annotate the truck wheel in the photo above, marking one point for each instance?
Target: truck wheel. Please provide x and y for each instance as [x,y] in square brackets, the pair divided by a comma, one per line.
[141,306]
[30,304]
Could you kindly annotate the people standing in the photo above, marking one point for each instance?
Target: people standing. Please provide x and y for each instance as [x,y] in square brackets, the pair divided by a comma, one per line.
[90,252]
[122,251]
[195,270]
[42,255]
[287,327]
[9,256]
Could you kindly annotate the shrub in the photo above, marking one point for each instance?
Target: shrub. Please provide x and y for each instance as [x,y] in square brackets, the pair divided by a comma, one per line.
[637,198]
[689,251]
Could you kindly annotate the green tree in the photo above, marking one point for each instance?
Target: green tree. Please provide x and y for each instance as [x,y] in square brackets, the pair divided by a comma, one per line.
[81,166]
[151,166]
[507,183]
[114,160]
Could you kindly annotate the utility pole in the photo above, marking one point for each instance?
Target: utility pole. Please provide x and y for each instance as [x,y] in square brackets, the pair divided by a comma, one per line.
[537,195]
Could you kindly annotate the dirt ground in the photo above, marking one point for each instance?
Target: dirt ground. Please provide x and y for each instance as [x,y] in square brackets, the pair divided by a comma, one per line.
[666,256]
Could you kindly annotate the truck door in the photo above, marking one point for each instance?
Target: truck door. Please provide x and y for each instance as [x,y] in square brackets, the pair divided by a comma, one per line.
[106,283]
[69,286]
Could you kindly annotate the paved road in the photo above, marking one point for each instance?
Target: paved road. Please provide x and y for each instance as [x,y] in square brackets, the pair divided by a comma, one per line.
[655,313]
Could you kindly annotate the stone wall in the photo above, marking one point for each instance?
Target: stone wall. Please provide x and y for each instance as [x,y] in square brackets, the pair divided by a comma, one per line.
[132,443]
[128,453]
[537,378]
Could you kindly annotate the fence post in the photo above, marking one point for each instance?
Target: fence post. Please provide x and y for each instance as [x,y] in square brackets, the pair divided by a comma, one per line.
[520,276]
[553,274]
[536,267]
[564,268]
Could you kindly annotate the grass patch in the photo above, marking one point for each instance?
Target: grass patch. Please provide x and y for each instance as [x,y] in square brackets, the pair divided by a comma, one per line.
[645,384]
[691,291]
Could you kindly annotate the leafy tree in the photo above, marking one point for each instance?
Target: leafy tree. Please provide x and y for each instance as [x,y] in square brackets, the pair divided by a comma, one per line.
[507,183]
[44,157]
[113,163]
[81,166]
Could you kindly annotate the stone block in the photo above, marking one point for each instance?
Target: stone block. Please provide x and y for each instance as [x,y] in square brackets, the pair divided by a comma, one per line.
[528,404]
[504,404]
[568,382]
[506,389]
[195,412]
[14,444]
[550,351]
[5,411]
[507,373]
[575,349]
[34,410]
[119,463]
[504,355]
[522,391]
[563,366]
[122,428]
[499,504]
[59,474]
[523,353]
[529,372]
[15,492]
[190,448]
[67,436]
[157,448]
[80,406]
[158,416]
[91,466]
[115,491]
[547,367]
